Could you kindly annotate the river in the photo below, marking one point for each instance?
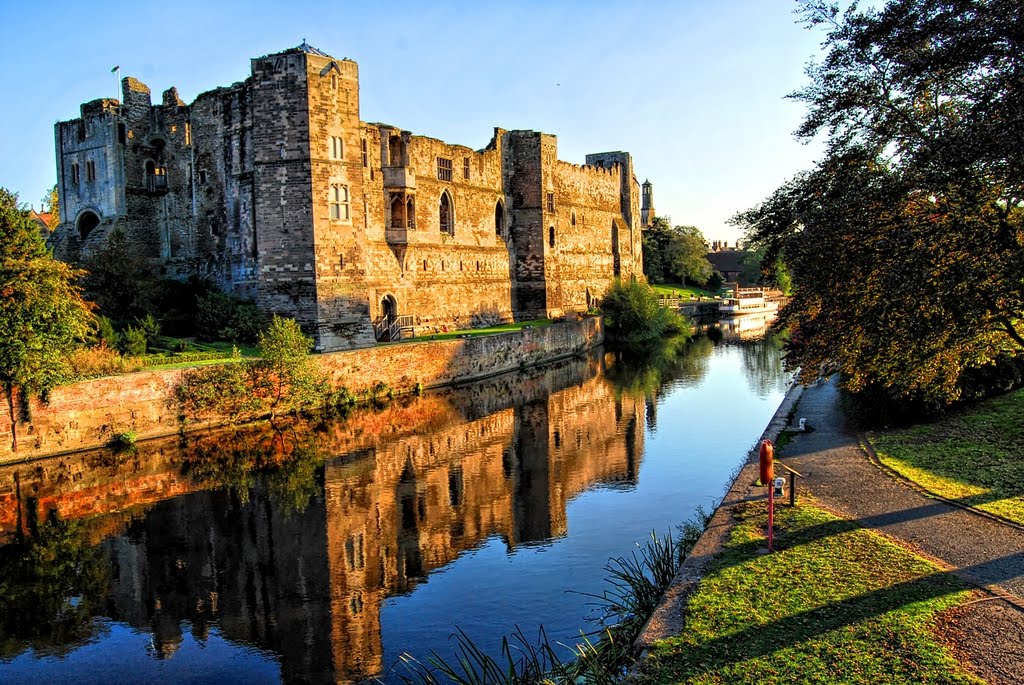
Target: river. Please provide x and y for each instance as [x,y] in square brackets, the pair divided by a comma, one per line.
[321,552]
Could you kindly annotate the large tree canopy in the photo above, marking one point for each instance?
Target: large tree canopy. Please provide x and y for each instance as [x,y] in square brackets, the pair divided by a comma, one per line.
[675,254]
[906,242]
[42,313]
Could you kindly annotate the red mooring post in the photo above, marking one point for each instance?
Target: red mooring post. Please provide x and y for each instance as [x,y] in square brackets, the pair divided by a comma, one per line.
[766,459]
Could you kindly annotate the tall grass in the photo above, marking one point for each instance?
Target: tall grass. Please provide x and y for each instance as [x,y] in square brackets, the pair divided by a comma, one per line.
[635,585]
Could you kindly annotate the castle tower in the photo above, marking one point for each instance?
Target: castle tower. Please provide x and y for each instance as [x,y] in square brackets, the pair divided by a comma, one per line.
[647,206]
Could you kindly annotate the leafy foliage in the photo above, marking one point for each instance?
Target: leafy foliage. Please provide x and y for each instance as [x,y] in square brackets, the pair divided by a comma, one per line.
[42,314]
[51,205]
[120,280]
[222,317]
[284,379]
[633,316]
[906,242]
[675,254]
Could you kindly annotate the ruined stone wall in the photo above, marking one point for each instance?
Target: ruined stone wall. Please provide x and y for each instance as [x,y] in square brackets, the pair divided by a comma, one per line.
[274,188]
[92,138]
[282,188]
[587,205]
[629,238]
[222,193]
[524,183]
[339,239]
[157,178]
[443,279]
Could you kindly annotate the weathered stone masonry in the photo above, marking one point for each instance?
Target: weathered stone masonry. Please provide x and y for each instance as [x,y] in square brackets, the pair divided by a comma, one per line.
[276,189]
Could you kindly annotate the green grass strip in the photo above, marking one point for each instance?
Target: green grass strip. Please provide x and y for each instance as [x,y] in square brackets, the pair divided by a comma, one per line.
[974,456]
[490,330]
[833,604]
[682,291]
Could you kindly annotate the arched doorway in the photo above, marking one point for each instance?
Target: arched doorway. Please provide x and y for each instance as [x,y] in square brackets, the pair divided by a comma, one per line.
[499,219]
[87,221]
[389,308]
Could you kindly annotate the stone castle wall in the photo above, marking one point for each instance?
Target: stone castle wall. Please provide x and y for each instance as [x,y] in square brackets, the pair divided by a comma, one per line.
[90,413]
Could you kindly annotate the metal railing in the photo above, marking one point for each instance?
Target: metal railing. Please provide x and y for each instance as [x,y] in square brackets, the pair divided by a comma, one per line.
[389,329]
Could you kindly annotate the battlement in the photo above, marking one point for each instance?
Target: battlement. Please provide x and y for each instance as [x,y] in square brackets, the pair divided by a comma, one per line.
[99,107]
[586,172]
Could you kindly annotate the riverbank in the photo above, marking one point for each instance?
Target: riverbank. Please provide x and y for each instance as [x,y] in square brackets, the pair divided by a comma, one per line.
[88,414]
[966,551]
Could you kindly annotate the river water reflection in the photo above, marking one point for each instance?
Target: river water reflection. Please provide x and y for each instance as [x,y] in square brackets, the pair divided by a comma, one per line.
[320,553]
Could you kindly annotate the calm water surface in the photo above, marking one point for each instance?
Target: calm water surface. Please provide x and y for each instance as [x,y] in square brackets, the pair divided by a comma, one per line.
[320,553]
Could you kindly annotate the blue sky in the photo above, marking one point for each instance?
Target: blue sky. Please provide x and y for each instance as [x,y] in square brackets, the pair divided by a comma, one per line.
[694,89]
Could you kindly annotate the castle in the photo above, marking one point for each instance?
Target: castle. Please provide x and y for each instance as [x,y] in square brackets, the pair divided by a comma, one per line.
[275,189]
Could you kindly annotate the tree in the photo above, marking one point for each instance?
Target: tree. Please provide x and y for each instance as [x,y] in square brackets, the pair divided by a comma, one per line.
[120,280]
[906,243]
[42,314]
[51,204]
[675,253]
[285,375]
[688,255]
[633,316]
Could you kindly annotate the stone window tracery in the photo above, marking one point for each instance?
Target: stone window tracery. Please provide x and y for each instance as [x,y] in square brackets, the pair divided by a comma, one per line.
[465,168]
[551,202]
[337,149]
[444,169]
[338,202]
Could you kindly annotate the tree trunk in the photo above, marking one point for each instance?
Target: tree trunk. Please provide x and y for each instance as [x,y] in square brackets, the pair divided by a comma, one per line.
[9,391]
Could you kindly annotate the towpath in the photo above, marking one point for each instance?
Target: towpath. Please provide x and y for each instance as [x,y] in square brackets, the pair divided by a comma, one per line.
[982,551]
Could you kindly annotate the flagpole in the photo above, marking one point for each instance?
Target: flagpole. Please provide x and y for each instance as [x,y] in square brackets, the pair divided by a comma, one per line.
[116,71]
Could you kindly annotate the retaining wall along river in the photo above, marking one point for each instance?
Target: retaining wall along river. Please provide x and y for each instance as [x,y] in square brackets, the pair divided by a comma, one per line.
[90,413]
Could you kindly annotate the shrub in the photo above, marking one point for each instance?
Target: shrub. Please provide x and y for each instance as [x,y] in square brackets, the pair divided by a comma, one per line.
[125,441]
[94,362]
[105,333]
[634,317]
[150,327]
[132,342]
[223,317]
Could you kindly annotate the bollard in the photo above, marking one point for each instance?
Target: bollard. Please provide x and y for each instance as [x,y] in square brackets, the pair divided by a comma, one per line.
[766,456]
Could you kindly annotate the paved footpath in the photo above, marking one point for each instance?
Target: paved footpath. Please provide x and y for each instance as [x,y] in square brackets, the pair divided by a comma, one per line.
[984,552]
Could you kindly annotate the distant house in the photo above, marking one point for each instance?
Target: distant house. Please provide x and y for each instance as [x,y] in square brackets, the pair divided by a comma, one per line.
[43,219]
[729,263]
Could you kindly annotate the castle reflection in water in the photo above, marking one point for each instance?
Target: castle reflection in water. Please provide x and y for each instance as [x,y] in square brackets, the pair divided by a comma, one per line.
[406,490]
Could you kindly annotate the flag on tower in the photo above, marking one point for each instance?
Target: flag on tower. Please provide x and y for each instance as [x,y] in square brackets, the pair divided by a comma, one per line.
[117,68]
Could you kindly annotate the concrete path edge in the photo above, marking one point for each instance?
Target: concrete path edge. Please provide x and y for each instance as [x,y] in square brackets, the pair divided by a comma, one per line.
[669,616]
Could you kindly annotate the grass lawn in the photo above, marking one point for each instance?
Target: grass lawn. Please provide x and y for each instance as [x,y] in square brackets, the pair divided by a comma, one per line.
[683,291]
[975,456]
[833,604]
[490,330]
